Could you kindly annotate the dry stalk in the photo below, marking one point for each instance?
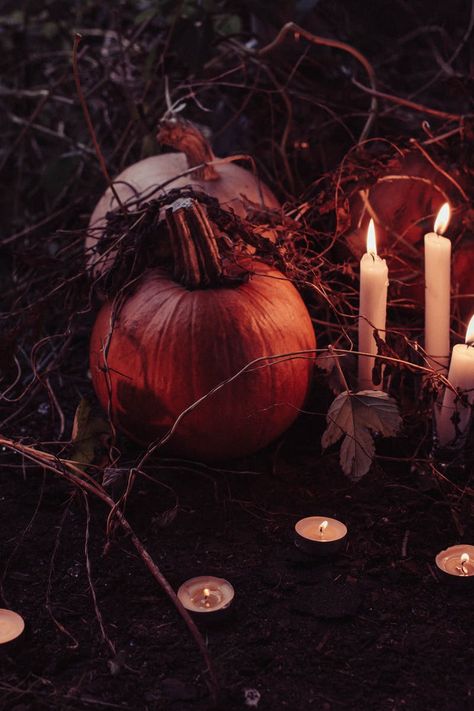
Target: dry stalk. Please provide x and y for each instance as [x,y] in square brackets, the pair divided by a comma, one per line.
[70,472]
[90,125]
[98,614]
[73,642]
[297,31]
[410,104]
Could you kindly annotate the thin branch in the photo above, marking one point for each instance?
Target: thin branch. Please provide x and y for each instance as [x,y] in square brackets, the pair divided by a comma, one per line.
[339,369]
[410,104]
[98,613]
[68,471]
[297,31]
[439,168]
[74,643]
[90,126]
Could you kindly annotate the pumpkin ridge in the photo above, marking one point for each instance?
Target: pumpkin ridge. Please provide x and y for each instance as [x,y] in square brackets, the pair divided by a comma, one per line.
[166,341]
[268,311]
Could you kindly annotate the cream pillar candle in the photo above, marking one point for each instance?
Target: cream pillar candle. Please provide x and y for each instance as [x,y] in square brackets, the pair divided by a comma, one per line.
[461,375]
[438,292]
[372,308]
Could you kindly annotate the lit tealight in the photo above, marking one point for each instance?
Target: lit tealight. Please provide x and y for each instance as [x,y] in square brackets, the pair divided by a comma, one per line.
[456,562]
[11,626]
[206,594]
[318,535]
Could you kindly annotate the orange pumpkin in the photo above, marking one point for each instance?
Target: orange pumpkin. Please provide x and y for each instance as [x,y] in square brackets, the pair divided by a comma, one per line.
[178,338]
[463,281]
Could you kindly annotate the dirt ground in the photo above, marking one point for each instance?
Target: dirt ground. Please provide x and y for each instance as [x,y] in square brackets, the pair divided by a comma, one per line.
[372,628]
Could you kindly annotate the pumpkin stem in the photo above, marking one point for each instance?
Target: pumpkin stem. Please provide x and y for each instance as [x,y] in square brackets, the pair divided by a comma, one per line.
[184,136]
[197,263]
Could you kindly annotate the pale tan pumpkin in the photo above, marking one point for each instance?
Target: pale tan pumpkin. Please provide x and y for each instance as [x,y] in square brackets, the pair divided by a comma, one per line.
[234,187]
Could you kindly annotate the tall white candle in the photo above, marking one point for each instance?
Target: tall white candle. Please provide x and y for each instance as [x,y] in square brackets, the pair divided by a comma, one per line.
[438,292]
[461,376]
[372,307]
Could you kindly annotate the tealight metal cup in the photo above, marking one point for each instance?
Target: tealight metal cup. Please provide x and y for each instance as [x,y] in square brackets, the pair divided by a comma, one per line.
[452,555]
[326,545]
[202,615]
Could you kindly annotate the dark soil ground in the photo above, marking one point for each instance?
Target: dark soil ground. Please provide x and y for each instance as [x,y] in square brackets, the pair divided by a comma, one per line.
[372,628]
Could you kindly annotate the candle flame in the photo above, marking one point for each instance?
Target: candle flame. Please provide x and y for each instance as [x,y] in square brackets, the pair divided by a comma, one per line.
[206,592]
[470,332]
[323,527]
[371,243]
[442,219]
[464,559]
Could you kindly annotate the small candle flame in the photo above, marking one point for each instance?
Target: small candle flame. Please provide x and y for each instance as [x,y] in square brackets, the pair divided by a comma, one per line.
[470,332]
[323,527]
[371,243]
[442,219]
[206,593]
[464,559]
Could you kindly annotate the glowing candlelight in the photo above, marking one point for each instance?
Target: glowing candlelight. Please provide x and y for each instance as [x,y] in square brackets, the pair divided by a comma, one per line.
[11,626]
[372,307]
[463,567]
[442,219]
[454,418]
[438,291]
[319,536]
[456,562]
[371,241]
[323,527]
[206,594]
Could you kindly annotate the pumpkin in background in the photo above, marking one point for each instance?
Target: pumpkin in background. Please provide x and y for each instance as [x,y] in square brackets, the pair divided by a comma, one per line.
[178,337]
[234,187]
[405,201]
[463,281]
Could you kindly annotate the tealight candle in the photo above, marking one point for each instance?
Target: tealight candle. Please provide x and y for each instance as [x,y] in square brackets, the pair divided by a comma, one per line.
[456,562]
[11,625]
[372,308]
[461,376]
[319,535]
[438,292]
[206,595]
